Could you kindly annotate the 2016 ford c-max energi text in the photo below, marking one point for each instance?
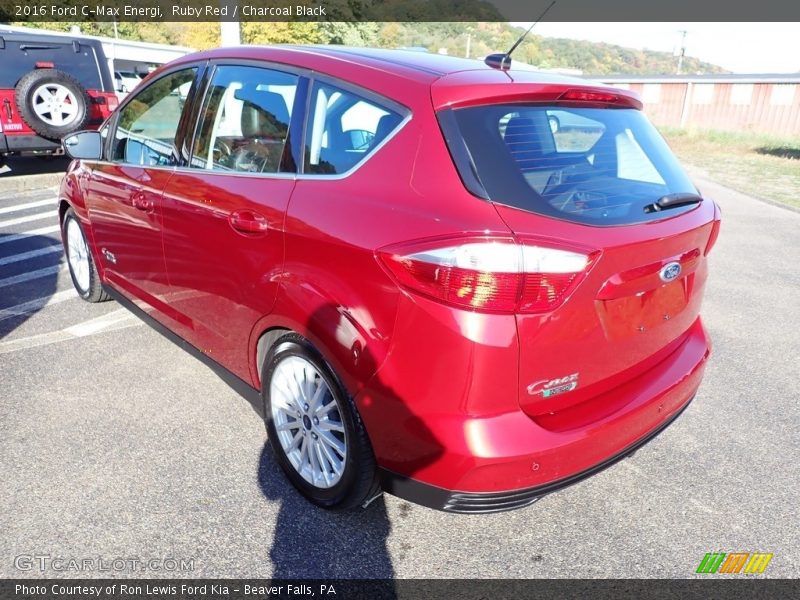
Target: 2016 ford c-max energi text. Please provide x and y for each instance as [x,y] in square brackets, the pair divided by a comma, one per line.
[433,290]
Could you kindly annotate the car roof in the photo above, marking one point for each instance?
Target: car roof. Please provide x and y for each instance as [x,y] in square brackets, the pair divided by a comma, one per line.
[450,79]
[423,66]
[435,65]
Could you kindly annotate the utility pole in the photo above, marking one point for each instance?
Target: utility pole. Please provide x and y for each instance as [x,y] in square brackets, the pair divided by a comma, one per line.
[683,33]
[229,31]
[469,42]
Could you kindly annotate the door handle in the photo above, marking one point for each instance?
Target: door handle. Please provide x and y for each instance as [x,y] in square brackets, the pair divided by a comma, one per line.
[248,222]
[141,202]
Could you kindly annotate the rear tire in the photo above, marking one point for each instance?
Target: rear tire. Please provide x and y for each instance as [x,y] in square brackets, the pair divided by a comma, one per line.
[314,427]
[79,258]
[52,103]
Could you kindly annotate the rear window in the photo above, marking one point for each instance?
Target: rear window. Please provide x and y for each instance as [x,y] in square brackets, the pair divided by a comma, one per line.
[344,129]
[78,60]
[605,166]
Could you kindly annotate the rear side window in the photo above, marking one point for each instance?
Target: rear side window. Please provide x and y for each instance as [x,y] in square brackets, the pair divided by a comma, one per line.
[604,166]
[244,123]
[344,128]
[79,61]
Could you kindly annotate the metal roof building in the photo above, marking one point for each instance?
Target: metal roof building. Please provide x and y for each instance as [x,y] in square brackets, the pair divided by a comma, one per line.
[764,103]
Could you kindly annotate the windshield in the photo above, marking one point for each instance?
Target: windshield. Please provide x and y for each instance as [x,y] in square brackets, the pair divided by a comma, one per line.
[604,166]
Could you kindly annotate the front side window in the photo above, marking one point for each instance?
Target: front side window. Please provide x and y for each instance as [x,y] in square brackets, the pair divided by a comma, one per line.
[244,122]
[343,129]
[148,124]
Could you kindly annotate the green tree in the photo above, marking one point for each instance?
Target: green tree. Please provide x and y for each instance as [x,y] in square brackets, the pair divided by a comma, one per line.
[281,32]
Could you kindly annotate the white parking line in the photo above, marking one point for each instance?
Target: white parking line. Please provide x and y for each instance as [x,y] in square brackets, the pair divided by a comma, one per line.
[37,304]
[113,321]
[31,275]
[30,254]
[50,214]
[24,234]
[27,205]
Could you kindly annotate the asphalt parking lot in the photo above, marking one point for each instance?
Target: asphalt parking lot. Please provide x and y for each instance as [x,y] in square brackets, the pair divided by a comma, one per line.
[114,443]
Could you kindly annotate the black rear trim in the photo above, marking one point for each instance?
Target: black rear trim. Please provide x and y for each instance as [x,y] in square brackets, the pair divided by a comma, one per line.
[31,143]
[459,152]
[490,502]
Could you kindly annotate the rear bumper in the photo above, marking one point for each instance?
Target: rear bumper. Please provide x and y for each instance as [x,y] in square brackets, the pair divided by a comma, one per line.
[29,143]
[490,502]
[509,460]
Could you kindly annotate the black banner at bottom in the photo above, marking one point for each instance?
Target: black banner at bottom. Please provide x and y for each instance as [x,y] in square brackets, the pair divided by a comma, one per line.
[711,588]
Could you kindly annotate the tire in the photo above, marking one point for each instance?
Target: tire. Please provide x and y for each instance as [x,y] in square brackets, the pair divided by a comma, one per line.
[52,103]
[555,124]
[79,259]
[294,356]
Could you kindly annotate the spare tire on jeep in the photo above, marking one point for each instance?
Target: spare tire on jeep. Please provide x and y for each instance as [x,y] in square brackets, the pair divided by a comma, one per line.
[52,102]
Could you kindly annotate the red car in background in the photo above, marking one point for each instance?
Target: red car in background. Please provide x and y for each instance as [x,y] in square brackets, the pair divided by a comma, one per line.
[433,290]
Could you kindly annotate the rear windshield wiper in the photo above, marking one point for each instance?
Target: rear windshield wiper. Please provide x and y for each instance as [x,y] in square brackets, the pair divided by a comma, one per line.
[673,201]
[37,47]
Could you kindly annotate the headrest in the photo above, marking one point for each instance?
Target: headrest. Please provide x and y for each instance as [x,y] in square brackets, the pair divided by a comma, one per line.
[264,114]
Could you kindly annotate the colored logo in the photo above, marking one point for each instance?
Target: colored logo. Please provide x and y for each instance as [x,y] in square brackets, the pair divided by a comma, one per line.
[734,562]
[670,271]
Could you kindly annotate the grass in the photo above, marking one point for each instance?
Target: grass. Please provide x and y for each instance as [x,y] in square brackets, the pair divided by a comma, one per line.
[760,165]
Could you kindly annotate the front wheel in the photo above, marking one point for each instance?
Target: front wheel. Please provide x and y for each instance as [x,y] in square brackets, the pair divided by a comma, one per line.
[81,265]
[314,427]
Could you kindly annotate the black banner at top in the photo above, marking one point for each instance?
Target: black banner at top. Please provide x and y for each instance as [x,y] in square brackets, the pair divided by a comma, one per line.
[396,10]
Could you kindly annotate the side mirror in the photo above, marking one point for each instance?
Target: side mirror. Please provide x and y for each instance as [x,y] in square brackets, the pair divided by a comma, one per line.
[84,145]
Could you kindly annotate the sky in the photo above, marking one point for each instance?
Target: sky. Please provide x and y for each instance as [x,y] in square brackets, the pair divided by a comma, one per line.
[737,47]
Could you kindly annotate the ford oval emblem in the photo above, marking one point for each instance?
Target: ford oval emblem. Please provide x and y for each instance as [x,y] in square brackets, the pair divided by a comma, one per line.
[670,271]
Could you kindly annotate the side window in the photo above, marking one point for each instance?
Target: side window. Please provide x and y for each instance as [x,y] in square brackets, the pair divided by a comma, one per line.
[343,129]
[147,126]
[244,122]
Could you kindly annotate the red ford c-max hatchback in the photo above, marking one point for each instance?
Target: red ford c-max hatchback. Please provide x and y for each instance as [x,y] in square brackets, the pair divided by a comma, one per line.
[465,286]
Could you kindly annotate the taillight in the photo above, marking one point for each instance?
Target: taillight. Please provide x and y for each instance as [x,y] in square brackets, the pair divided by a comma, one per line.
[105,102]
[712,239]
[589,96]
[599,98]
[488,274]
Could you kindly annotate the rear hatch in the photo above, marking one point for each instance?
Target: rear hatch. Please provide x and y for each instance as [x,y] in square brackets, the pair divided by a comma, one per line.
[582,170]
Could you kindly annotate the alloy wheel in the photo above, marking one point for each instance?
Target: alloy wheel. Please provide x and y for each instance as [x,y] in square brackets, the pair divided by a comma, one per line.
[308,421]
[78,255]
[55,104]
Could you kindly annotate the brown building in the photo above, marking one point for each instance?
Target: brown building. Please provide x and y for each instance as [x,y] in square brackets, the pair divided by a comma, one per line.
[768,103]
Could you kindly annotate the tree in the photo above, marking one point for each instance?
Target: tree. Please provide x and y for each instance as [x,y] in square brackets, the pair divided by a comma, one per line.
[281,33]
[352,34]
